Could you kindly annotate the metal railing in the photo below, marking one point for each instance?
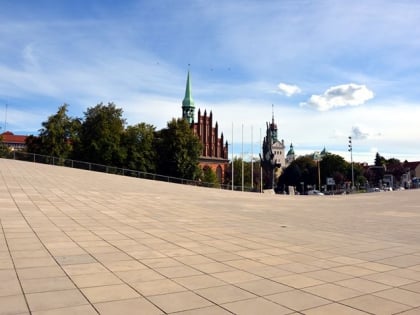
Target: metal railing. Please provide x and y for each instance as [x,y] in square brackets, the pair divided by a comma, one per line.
[45,159]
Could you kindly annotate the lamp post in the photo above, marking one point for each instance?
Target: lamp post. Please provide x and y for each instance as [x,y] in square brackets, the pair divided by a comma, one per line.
[351,160]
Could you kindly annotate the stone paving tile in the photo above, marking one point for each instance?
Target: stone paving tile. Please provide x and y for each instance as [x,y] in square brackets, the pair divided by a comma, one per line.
[73,310]
[181,301]
[297,267]
[363,285]
[55,299]
[415,287]
[256,306]
[214,267]
[95,279]
[326,275]
[199,282]
[334,308]
[400,296]
[109,293]
[124,265]
[75,259]
[332,292]
[178,271]
[211,310]
[298,281]
[414,311]
[224,294]
[263,287]
[40,272]
[353,270]
[10,286]
[235,276]
[131,306]
[157,287]
[13,304]
[84,269]
[132,276]
[297,300]
[375,305]
[388,279]
[46,284]
[161,262]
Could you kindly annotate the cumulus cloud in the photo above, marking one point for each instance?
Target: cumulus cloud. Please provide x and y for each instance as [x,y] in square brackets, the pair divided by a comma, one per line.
[340,96]
[288,89]
[357,133]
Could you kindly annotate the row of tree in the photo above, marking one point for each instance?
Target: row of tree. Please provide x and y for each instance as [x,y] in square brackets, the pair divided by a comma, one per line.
[308,171]
[102,137]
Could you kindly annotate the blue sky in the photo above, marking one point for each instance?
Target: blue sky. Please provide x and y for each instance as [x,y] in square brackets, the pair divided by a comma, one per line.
[332,69]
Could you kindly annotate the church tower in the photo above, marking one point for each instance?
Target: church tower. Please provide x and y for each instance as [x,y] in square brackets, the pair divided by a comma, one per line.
[188,103]
[215,150]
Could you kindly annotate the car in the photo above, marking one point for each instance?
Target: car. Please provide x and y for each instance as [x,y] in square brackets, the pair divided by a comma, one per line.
[315,192]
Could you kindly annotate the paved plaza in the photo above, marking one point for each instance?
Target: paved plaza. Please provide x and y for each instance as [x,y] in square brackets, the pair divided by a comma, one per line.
[80,242]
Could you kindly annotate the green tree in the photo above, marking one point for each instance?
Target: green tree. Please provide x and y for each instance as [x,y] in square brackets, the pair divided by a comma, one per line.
[301,170]
[291,176]
[4,150]
[56,135]
[333,165]
[395,167]
[379,160]
[178,150]
[237,173]
[210,178]
[138,143]
[100,135]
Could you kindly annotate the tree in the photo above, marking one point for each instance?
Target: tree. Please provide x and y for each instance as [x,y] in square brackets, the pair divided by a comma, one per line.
[56,135]
[210,178]
[379,160]
[178,149]
[301,170]
[395,167]
[33,144]
[237,173]
[100,135]
[140,153]
[290,177]
[333,165]
[4,150]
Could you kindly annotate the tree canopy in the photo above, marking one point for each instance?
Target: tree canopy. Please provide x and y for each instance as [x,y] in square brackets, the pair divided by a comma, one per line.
[100,135]
[178,149]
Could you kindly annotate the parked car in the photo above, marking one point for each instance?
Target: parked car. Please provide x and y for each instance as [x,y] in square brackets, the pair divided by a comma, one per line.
[315,192]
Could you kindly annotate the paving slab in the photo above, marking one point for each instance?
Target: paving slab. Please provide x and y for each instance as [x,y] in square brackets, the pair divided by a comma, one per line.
[80,242]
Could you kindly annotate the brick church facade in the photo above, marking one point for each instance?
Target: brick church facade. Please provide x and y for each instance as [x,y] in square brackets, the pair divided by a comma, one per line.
[215,149]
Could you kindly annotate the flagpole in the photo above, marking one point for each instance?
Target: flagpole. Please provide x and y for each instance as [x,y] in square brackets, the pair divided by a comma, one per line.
[242,157]
[261,173]
[233,178]
[252,158]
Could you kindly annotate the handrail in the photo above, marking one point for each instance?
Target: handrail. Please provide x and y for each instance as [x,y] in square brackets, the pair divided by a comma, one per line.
[45,159]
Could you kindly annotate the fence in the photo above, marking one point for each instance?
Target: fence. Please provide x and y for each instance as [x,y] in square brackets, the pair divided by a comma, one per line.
[44,159]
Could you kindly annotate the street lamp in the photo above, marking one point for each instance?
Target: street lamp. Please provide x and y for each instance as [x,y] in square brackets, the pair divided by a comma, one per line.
[351,160]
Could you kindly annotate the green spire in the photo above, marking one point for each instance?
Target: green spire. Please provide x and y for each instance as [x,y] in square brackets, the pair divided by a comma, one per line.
[188,102]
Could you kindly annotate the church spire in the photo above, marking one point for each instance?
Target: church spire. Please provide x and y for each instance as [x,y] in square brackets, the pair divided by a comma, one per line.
[188,102]
[273,126]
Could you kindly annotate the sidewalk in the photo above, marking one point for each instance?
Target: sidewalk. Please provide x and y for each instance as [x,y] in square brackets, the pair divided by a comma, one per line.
[80,242]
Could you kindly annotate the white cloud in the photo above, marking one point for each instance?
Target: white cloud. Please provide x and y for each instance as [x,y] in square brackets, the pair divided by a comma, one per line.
[340,96]
[288,89]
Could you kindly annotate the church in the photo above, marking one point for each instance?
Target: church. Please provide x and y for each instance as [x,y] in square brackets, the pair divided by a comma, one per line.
[215,149]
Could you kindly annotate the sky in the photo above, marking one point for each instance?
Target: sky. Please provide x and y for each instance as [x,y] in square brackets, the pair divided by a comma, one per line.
[326,69]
